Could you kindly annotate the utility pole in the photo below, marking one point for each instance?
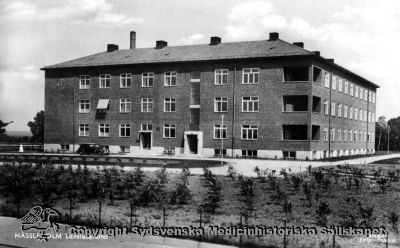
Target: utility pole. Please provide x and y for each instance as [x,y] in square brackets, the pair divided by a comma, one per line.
[222,139]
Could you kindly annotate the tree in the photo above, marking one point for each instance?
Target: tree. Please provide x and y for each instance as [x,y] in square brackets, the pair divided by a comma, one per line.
[381,133]
[37,127]
[2,127]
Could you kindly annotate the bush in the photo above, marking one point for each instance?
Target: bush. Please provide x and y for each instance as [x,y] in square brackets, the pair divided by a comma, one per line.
[181,194]
[366,212]
[322,212]
[213,185]
[394,220]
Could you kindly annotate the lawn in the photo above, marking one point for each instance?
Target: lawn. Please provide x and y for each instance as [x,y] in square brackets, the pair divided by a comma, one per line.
[356,196]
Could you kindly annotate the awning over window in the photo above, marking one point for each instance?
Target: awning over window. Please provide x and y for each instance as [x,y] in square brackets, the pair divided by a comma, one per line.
[103,104]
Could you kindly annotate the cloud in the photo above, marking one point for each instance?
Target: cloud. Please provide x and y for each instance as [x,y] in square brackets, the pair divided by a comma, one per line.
[363,36]
[192,39]
[248,18]
[22,91]
[83,11]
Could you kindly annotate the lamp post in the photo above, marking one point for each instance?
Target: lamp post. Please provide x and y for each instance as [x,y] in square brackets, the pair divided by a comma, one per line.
[388,127]
[222,139]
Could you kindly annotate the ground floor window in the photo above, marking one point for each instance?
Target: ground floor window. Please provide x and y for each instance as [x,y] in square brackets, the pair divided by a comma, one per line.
[249,153]
[217,152]
[64,146]
[83,129]
[125,149]
[289,154]
[169,131]
[104,130]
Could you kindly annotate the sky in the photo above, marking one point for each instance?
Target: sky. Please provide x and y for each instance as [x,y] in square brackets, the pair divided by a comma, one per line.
[361,35]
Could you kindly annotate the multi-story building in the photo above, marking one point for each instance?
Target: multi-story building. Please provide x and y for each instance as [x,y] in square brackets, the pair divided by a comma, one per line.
[266,98]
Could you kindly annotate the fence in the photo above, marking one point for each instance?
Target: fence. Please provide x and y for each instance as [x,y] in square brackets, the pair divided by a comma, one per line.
[16,147]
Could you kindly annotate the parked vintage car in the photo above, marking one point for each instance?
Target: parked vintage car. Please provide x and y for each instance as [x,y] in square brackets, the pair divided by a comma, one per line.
[92,148]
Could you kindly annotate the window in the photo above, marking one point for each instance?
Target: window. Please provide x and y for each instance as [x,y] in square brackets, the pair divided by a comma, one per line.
[84,129]
[146,127]
[355,113]
[220,131]
[365,95]
[345,135]
[250,104]
[316,104]
[346,87]
[105,81]
[339,110]
[289,154]
[345,111]
[361,93]
[125,80]
[361,117]
[84,106]
[317,75]
[125,149]
[217,152]
[169,131]
[250,75]
[124,130]
[169,104]
[221,104]
[221,76]
[104,130]
[351,89]
[332,134]
[249,153]
[325,134]
[373,117]
[340,88]
[147,105]
[370,97]
[373,97]
[315,132]
[294,132]
[170,78]
[147,79]
[296,74]
[356,92]
[249,132]
[327,75]
[65,147]
[326,107]
[351,113]
[359,135]
[350,135]
[125,105]
[339,134]
[334,82]
[333,109]
[365,136]
[84,82]
[355,136]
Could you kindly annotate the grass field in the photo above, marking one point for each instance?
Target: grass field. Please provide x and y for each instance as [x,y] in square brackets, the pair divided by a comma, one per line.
[352,200]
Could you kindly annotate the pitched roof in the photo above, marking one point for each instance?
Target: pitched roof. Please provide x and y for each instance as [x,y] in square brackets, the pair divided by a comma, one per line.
[231,50]
[204,52]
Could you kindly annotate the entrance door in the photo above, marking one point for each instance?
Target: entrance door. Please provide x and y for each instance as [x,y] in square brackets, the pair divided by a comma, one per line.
[192,140]
[145,140]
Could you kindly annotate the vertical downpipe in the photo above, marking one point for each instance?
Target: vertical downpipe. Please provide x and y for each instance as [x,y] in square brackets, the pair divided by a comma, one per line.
[329,114]
[368,114]
[73,115]
[233,109]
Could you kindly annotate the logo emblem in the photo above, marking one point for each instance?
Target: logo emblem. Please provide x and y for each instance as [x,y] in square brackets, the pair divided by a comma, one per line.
[40,219]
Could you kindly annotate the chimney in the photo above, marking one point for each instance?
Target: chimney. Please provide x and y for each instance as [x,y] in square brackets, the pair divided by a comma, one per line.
[112,48]
[299,44]
[133,40]
[317,53]
[330,60]
[273,36]
[161,44]
[215,40]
